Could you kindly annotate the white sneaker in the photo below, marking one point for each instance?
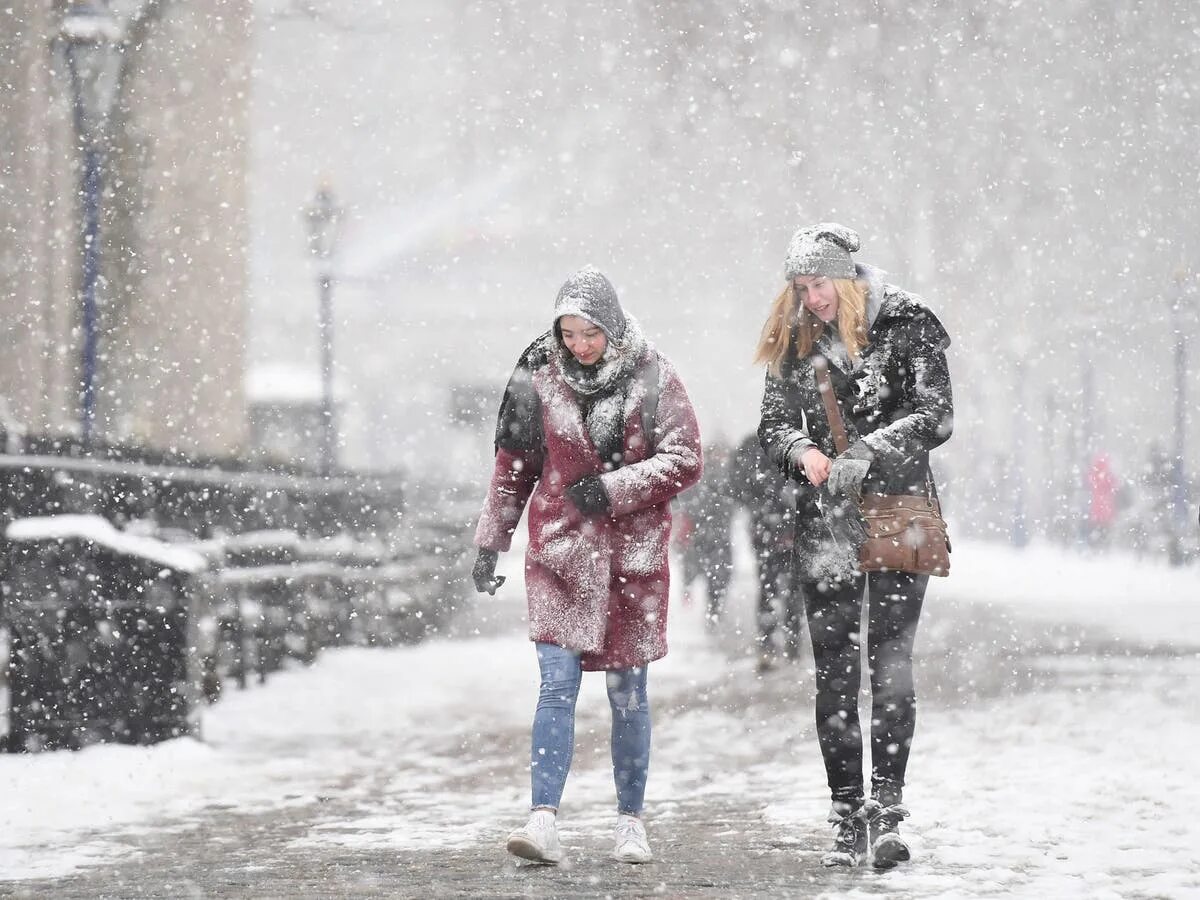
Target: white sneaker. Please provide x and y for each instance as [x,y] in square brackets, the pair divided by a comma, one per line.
[537,841]
[630,842]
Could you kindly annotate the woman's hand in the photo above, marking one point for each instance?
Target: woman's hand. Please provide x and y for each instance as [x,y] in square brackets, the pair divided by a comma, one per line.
[484,572]
[589,496]
[816,465]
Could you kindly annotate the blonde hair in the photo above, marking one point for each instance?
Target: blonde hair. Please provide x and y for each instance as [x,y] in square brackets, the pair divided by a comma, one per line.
[788,322]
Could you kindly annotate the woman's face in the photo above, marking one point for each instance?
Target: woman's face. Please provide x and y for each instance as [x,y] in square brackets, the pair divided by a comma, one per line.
[585,340]
[817,294]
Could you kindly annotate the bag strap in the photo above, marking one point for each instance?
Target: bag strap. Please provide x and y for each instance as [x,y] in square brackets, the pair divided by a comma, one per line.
[832,413]
[649,377]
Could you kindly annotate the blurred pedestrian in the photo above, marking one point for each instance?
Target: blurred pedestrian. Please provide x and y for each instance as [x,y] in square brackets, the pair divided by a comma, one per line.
[1103,492]
[706,541]
[596,434]
[770,503]
[885,352]
[1165,507]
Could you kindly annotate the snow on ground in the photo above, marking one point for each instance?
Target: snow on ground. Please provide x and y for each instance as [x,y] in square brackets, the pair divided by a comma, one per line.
[1057,794]
[1139,599]
[1080,788]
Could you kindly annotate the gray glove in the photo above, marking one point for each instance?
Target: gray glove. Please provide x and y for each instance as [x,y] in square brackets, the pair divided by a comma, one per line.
[849,470]
[846,477]
[484,572]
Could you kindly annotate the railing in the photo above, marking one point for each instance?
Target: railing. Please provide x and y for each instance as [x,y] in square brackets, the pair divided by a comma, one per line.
[136,590]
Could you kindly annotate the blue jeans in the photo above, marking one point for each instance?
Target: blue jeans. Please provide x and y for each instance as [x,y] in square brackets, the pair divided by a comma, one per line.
[554,729]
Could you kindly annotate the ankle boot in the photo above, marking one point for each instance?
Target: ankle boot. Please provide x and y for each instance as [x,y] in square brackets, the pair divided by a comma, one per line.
[849,823]
[887,847]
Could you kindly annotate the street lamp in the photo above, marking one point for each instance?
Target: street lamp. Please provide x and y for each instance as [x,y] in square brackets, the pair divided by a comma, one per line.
[1091,330]
[90,37]
[324,218]
[1020,348]
[1182,315]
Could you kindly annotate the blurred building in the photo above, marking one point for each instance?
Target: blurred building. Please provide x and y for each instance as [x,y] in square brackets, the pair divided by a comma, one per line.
[173,278]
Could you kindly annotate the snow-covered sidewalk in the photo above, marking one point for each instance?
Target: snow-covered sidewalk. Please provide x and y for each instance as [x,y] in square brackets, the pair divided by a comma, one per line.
[1075,784]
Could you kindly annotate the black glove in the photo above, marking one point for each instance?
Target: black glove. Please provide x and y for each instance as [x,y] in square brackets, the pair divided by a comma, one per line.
[589,496]
[484,573]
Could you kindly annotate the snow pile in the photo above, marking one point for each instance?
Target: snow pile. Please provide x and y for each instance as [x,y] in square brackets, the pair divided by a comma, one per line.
[100,532]
[1135,599]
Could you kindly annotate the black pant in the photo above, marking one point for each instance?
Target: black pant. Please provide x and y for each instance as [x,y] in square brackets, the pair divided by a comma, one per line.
[835,622]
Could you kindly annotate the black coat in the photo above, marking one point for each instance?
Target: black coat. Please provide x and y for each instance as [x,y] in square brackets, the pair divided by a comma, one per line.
[898,402]
[767,495]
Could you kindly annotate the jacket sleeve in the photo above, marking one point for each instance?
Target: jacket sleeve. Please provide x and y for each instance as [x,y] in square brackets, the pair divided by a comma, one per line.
[514,477]
[519,454]
[927,419]
[676,463]
[782,427]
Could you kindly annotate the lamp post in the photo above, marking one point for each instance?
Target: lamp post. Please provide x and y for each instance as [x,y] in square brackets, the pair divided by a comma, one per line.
[1020,349]
[1020,531]
[1081,496]
[1179,322]
[90,36]
[324,218]
[1182,316]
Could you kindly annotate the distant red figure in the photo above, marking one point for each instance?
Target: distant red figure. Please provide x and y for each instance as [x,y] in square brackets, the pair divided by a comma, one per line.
[1102,510]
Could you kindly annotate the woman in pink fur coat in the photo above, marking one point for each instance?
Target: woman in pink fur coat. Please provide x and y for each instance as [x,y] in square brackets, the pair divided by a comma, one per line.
[596,434]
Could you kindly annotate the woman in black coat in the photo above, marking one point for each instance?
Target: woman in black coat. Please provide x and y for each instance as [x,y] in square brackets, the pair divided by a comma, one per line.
[886,355]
